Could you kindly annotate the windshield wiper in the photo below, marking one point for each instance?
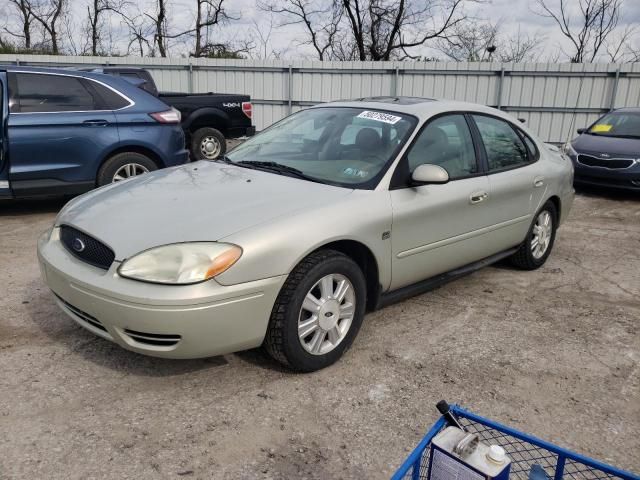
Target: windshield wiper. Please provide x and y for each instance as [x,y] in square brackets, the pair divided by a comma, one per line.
[278,168]
[223,159]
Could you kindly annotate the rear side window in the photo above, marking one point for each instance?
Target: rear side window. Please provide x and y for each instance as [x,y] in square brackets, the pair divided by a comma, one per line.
[504,147]
[51,93]
[107,99]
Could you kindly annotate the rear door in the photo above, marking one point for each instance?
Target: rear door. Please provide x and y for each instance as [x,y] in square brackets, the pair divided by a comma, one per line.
[5,191]
[516,180]
[59,131]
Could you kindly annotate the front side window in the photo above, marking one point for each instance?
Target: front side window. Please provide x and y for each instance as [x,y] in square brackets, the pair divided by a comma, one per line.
[343,146]
[504,147]
[51,93]
[447,142]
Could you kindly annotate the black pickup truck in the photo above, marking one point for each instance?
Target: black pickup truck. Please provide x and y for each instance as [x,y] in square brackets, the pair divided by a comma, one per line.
[207,118]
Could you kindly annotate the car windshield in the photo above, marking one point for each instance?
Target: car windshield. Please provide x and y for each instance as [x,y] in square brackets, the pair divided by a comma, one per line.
[617,124]
[342,146]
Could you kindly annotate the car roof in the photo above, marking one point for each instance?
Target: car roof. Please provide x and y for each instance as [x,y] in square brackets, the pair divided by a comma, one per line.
[422,108]
[57,71]
[627,110]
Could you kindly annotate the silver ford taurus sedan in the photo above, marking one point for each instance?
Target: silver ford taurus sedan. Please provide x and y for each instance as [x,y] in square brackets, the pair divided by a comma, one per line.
[288,241]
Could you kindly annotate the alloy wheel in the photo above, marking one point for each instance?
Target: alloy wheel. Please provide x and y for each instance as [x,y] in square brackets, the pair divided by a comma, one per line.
[542,231]
[129,170]
[327,314]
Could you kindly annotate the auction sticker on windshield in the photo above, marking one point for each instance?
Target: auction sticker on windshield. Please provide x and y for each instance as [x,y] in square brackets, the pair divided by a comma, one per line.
[380,117]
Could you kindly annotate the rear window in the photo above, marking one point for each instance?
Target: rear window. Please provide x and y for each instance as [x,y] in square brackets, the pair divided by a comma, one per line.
[51,93]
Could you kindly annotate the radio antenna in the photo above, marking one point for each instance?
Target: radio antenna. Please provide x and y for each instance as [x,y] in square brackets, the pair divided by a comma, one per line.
[575,109]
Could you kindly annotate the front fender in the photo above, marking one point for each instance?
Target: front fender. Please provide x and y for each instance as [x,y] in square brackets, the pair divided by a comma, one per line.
[276,247]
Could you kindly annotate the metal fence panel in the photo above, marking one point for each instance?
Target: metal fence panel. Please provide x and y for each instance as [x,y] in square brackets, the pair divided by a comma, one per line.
[554,99]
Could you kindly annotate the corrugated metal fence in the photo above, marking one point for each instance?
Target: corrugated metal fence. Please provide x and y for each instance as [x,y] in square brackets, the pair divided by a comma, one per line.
[554,99]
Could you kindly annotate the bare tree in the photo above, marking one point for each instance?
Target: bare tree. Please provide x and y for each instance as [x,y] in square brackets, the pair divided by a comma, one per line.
[159,20]
[95,23]
[49,14]
[587,28]
[139,32]
[620,46]
[262,35]
[383,30]
[25,18]
[469,41]
[319,19]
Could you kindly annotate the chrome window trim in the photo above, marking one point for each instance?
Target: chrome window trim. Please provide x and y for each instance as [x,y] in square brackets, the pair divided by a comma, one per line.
[131,102]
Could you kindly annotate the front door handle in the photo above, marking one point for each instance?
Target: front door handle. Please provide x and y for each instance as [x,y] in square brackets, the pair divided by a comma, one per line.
[478,197]
[95,123]
[538,182]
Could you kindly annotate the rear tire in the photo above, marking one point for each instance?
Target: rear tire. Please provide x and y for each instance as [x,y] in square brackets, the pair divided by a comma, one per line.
[331,319]
[542,232]
[123,166]
[207,144]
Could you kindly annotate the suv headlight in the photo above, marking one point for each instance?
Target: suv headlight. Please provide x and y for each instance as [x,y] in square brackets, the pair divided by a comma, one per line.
[181,263]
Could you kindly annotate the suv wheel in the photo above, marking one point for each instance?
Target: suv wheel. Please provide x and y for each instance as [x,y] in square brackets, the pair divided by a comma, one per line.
[536,248]
[207,144]
[124,166]
[318,312]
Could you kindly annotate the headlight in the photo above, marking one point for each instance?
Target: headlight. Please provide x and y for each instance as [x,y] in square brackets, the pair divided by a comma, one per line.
[569,150]
[181,263]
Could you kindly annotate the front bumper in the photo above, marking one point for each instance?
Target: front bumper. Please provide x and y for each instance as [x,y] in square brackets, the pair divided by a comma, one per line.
[190,321]
[624,178]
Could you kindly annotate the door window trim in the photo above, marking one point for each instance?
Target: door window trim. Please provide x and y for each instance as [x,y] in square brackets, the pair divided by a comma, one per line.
[402,168]
[15,90]
[532,158]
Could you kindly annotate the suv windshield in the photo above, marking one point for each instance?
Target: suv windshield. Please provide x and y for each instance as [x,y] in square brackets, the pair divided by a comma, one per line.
[617,124]
[343,146]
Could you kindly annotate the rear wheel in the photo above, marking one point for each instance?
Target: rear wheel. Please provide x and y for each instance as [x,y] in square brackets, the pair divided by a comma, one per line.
[536,248]
[124,166]
[207,144]
[318,312]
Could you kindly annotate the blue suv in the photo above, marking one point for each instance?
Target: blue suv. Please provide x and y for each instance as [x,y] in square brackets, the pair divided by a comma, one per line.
[66,132]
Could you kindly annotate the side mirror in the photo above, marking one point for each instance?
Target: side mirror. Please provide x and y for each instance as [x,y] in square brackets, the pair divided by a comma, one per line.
[429,173]
[581,131]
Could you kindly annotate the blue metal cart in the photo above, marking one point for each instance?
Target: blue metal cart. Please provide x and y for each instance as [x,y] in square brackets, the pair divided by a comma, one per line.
[524,451]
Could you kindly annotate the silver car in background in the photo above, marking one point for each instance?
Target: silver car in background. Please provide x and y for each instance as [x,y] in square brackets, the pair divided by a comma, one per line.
[288,241]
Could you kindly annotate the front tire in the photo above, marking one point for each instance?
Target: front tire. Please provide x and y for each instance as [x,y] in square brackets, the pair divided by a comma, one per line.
[124,166]
[318,312]
[207,144]
[535,250]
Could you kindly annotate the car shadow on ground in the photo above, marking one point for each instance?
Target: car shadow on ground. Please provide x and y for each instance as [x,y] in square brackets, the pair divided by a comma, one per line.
[59,328]
[609,193]
[32,206]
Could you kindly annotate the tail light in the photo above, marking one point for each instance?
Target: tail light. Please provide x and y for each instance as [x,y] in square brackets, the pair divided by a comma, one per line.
[247,109]
[168,116]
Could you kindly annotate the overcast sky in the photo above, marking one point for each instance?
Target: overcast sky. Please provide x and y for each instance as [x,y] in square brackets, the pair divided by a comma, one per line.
[513,16]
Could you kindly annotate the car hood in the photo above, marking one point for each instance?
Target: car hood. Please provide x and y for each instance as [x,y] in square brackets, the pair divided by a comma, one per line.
[202,201]
[613,146]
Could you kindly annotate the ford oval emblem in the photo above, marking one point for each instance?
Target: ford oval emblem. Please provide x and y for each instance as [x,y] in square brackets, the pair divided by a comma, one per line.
[78,245]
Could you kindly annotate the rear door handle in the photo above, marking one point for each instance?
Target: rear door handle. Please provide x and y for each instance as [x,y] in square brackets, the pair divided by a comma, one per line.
[538,182]
[478,197]
[95,123]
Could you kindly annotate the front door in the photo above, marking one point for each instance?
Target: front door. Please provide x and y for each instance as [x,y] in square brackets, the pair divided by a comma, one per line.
[437,228]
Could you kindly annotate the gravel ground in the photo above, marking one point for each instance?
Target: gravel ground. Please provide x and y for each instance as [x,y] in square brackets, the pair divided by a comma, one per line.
[555,352]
